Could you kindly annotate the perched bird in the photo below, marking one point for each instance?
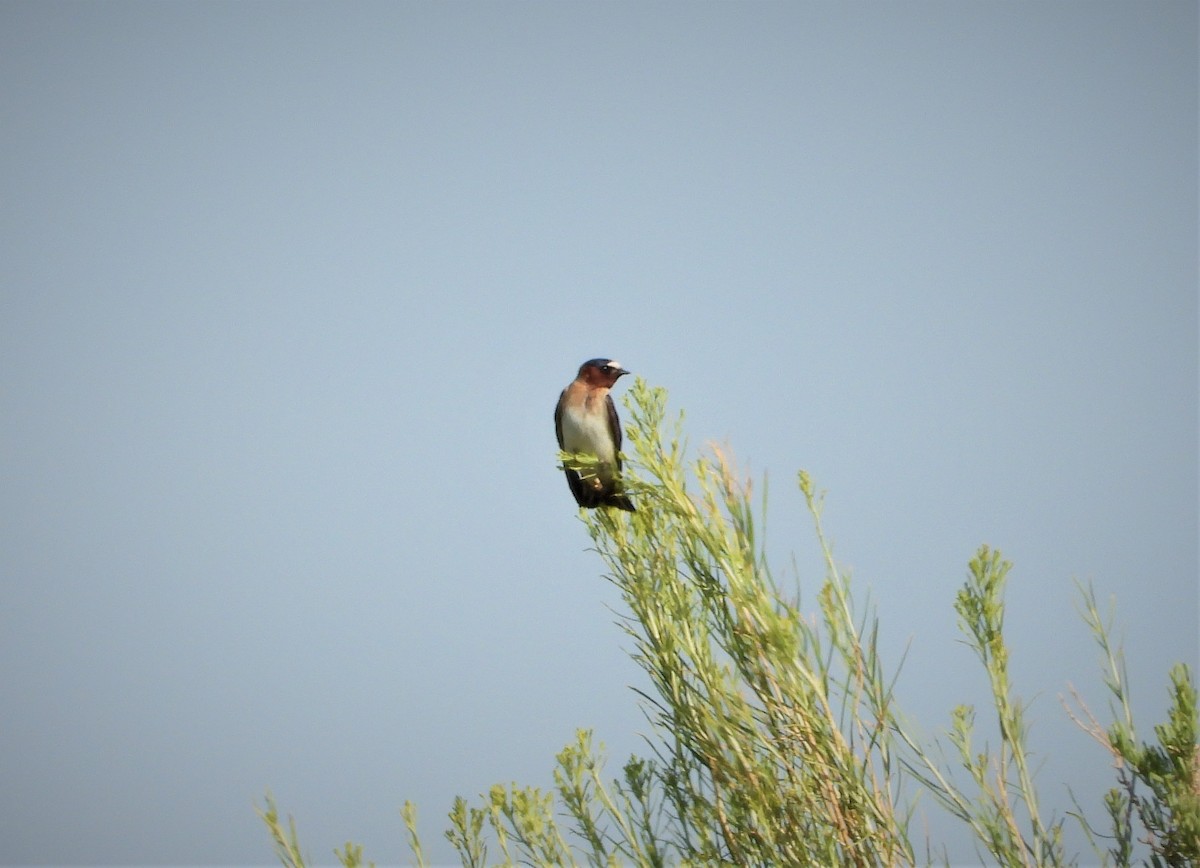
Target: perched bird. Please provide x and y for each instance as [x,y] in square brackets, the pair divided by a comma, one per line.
[585,421]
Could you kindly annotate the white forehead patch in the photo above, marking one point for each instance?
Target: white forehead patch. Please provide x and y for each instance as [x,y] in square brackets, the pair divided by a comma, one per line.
[613,363]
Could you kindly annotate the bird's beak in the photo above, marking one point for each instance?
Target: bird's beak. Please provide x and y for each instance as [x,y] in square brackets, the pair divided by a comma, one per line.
[623,372]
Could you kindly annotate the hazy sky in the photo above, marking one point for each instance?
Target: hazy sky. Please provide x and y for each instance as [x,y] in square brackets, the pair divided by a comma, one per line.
[288,292]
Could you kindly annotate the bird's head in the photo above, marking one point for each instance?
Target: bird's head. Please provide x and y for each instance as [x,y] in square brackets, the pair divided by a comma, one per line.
[601,372]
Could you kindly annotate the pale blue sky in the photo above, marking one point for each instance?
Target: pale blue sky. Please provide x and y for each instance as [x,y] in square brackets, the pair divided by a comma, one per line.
[287,294]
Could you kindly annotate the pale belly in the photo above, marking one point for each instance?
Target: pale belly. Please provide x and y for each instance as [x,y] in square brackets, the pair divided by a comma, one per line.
[588,433]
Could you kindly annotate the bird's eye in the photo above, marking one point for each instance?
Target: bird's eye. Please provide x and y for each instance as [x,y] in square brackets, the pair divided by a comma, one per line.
[607,369]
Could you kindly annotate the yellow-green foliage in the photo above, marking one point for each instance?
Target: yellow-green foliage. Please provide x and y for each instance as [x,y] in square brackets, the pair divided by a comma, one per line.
[776,735]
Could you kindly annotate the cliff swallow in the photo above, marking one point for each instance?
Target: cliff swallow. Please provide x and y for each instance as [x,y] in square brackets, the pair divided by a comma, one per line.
[585,421]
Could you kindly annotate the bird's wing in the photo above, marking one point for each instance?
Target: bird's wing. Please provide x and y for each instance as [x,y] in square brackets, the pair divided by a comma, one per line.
[558,411]
[583,496]
[614,428]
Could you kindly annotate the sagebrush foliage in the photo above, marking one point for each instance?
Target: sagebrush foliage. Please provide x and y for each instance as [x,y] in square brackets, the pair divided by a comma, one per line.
[776,737]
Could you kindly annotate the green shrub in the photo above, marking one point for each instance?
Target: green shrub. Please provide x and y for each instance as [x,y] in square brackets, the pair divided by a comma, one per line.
[777,737]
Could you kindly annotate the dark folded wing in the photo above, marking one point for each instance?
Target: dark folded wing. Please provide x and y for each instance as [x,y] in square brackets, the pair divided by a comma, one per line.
[558,410]
[614,428]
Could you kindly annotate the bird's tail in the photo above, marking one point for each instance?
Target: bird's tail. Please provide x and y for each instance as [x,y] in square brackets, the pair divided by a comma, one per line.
[619,501]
